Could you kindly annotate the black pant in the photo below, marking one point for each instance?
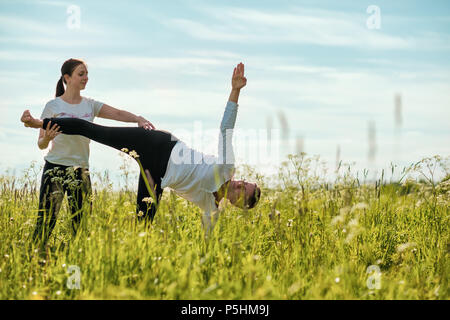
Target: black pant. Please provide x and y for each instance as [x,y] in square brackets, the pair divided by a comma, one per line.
[56,181]
[152,146]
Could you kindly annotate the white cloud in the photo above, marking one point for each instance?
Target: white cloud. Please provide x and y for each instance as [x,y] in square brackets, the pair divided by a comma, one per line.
[316,27]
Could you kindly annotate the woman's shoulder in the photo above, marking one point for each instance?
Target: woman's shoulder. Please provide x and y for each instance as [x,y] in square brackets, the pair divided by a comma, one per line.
[52,103]
[93,103]
[88,100]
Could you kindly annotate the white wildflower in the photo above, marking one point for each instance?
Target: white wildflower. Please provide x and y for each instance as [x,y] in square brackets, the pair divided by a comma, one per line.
[353,223]
[337,219]
[133,154]
[360,206]
[149,200]
[404,246]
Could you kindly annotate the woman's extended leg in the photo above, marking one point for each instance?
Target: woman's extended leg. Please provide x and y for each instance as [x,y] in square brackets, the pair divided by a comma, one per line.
[153,147]
[115,137]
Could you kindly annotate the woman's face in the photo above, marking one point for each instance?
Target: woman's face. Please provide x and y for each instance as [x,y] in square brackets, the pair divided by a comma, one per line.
[79,78]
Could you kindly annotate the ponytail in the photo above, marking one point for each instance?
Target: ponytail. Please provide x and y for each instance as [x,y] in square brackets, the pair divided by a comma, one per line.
[59,88]
[67,68]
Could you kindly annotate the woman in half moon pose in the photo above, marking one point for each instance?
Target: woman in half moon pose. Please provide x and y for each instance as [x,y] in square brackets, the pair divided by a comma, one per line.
[67,162]
[168,162]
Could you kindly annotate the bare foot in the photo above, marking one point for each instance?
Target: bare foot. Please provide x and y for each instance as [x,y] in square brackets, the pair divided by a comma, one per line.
[29,121]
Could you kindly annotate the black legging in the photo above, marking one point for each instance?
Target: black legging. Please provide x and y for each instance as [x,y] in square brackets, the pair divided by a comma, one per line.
[152,146]
[56,181]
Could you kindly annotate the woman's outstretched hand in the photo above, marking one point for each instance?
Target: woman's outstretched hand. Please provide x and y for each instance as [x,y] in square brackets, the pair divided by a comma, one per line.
[144,123]
[238,80]
[29,121]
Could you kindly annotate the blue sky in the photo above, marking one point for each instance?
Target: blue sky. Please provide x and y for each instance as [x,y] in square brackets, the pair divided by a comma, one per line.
[316,62]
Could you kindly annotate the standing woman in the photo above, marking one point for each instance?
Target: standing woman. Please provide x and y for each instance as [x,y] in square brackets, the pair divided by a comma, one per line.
[67,162]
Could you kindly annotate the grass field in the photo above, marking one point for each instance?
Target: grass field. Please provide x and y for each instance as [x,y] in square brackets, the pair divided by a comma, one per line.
[307,239]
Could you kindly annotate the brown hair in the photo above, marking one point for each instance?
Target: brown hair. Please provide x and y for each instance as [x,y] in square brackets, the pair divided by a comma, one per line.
[254,198]
[67,68]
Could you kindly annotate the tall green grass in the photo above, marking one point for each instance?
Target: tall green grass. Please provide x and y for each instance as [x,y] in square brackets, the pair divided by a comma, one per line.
[308,238]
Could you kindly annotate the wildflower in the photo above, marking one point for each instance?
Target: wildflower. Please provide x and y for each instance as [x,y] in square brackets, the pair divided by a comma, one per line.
[405,246]
[337,279]
[436,291]
[274,213]
[58,292]
[149,200]
[359,206]
[140,214]
[124,150]
[290,221]
[133,154]
[294,288]
[337,219]
[142,234]
[353,223]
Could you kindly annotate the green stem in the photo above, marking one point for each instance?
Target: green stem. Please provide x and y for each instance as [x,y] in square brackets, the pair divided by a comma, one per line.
[150,190]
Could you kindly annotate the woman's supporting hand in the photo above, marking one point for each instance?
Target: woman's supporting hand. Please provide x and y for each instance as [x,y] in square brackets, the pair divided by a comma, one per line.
[51,132]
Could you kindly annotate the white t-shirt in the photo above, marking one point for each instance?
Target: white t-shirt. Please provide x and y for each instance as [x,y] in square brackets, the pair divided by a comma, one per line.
[195,176]
[70,150]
